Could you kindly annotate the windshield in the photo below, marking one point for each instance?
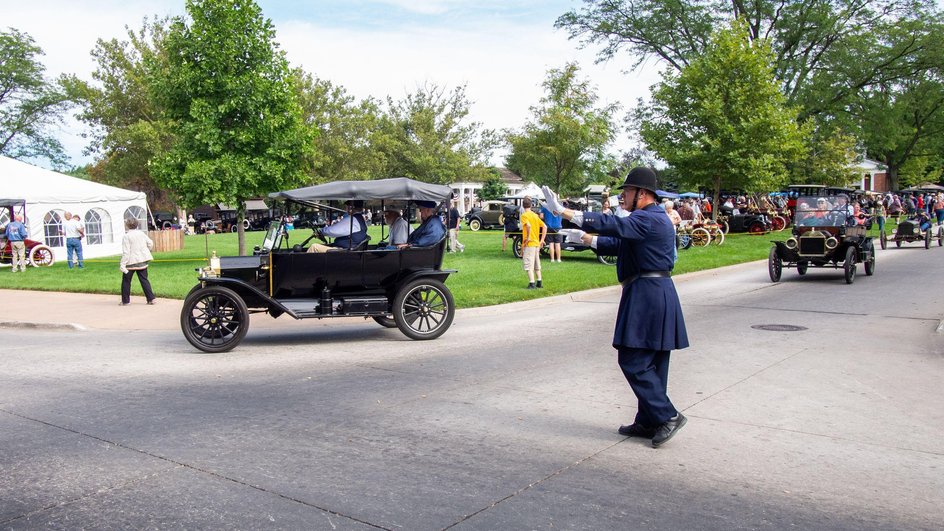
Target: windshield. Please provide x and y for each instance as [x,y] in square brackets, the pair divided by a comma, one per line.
[273,236]
[812,211]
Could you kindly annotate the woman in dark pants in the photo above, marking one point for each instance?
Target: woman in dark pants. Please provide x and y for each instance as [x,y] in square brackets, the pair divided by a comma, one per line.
[135,257]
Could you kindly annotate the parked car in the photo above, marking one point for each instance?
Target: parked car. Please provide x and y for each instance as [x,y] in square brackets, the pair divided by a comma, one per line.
[824,235]
[402,288]
[491,215]
[916,228]
[38,254]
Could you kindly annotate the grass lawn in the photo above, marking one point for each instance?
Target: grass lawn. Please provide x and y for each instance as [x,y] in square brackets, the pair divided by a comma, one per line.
[486,274]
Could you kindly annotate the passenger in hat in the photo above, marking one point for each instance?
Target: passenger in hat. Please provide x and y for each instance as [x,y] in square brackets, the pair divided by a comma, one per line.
[399,228]
[431,231]
[649,322]
[348,232]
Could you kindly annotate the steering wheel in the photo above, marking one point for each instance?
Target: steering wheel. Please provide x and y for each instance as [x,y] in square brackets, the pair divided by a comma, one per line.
[320,236]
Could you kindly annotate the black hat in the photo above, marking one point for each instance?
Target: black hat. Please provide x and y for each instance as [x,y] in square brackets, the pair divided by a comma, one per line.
[426,204]
[641,177]
[356,203]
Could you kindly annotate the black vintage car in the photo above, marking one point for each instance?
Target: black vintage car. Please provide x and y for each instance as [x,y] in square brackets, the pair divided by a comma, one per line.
[916,228]
[825,234]
[491,215]
[402,288]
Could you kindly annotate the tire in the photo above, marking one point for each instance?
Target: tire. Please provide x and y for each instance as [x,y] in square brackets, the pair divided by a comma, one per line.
[718,238]
[41,256]
[516,247]
[606,260]
[940,236]
[424,309]
[927,238]
[756,228]
[234,228]
[386,321]
[700,237]
[774,265]
[725,227]
[167,225]
[849,266]
[802,268]
[778,223]
[870,263]
[683,241]
[883,240]
[214,319]
[897,242]
[475,224]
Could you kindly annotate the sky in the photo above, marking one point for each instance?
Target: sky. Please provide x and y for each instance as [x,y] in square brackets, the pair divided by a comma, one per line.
[500,49]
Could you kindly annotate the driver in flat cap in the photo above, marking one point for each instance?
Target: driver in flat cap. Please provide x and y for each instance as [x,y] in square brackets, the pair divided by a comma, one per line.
[649,321]
[348,232]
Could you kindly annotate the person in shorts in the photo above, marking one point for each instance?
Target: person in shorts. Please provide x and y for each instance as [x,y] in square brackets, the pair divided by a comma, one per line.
[554,238]
[533,234]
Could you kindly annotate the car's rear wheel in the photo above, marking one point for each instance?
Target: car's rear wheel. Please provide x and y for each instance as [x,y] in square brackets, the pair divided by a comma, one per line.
[778,223]
[802,268]
[882,240]
[41,256]
[718,237]
[683,240]
[386,321]
[927,239]
[516,246]
[849,266]
[475,224]
[774,265]
[606,260]
[214,319]
[940,236]
[700,237]
[424,309]
[725,227]
[756,228]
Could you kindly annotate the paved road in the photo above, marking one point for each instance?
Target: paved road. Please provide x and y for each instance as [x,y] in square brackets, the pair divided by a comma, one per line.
[507,422]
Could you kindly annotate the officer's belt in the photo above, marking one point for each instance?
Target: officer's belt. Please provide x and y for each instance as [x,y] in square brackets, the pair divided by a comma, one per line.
[646,274]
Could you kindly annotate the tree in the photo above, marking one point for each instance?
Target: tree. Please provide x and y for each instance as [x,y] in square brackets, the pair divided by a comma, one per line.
[564,144]
[427,138]
[493,188]
[128,125]
[238,128]
[29,104]
[348,132]
[722,122]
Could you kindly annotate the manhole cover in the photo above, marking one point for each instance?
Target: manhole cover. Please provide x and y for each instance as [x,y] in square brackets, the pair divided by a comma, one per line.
[778,327]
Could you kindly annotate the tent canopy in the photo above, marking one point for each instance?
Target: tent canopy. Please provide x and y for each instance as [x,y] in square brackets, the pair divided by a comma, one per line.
[252,205]
[397,188]
[42,186]
[531,190]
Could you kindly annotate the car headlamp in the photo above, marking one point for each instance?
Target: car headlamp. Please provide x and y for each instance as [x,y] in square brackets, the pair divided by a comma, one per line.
[791,243]
[831,242]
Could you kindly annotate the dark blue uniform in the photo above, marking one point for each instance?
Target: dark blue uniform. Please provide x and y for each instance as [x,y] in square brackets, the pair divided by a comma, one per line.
[649,323]
[430,232]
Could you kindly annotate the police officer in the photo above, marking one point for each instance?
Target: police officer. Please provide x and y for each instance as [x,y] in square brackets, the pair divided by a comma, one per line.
[649,322]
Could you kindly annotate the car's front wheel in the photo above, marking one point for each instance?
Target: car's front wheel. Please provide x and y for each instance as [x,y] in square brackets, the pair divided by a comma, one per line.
[883,240]
[424,309]
[802,268]
[606,259]
[41,256]
[214,319]
[774,265]
[475,224]
[870,263]
[927,239]
[849,266]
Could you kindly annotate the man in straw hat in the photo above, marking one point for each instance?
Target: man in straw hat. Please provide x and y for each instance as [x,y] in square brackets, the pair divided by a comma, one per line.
[649,321]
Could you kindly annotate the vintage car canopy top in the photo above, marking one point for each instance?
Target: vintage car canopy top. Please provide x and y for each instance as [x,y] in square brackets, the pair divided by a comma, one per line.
[396,188]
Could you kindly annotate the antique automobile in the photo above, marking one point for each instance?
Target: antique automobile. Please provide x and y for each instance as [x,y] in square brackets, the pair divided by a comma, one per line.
[491,215]
[38,254]
[574,247]
[918,228]
[825,235]
[397,288]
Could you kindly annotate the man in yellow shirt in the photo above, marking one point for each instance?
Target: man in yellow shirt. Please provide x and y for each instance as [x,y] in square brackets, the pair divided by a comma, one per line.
[533,233]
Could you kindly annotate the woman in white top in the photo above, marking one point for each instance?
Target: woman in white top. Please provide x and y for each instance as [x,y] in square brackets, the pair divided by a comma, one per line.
[135,256]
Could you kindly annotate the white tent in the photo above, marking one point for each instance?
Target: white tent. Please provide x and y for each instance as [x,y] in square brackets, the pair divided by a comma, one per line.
[530,190]
[49,195]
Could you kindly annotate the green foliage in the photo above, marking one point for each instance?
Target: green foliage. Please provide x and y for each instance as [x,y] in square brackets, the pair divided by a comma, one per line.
[493,188]
[722,122]
[344,148]
[564,144]
[426,137]
[827,158]
[128,125]
[30,105]
[238,128]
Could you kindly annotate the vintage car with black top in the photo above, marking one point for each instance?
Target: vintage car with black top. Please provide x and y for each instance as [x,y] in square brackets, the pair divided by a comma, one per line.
[396,287]
[825,235]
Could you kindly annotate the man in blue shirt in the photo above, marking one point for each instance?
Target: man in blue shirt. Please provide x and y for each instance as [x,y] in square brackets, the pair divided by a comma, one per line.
[431,231]
[16,233]
[554,238]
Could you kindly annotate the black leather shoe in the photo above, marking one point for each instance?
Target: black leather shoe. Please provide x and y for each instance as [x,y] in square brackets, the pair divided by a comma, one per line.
[668,430]
[637,430]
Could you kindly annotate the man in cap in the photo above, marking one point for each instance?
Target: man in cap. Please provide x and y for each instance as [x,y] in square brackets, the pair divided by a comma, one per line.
[843,212]
[649,323]
[348,232]
[399,228]
[431,231]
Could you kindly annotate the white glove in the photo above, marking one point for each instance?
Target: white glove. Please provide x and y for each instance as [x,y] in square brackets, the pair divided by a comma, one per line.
[552,202]
[573,235]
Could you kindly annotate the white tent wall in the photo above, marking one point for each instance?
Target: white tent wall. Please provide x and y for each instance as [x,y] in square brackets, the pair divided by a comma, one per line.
[46,192]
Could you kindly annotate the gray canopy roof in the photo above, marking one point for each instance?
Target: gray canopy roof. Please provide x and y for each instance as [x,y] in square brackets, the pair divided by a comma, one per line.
[398,188]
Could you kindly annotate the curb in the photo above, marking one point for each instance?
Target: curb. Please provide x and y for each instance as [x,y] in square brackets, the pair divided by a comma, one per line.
[45,326]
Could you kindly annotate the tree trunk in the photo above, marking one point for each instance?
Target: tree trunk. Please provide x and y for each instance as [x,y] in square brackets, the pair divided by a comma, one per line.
[893,184]
[240,229]
[716,198]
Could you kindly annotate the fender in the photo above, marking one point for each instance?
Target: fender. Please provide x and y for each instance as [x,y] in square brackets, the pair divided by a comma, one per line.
[243,290]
